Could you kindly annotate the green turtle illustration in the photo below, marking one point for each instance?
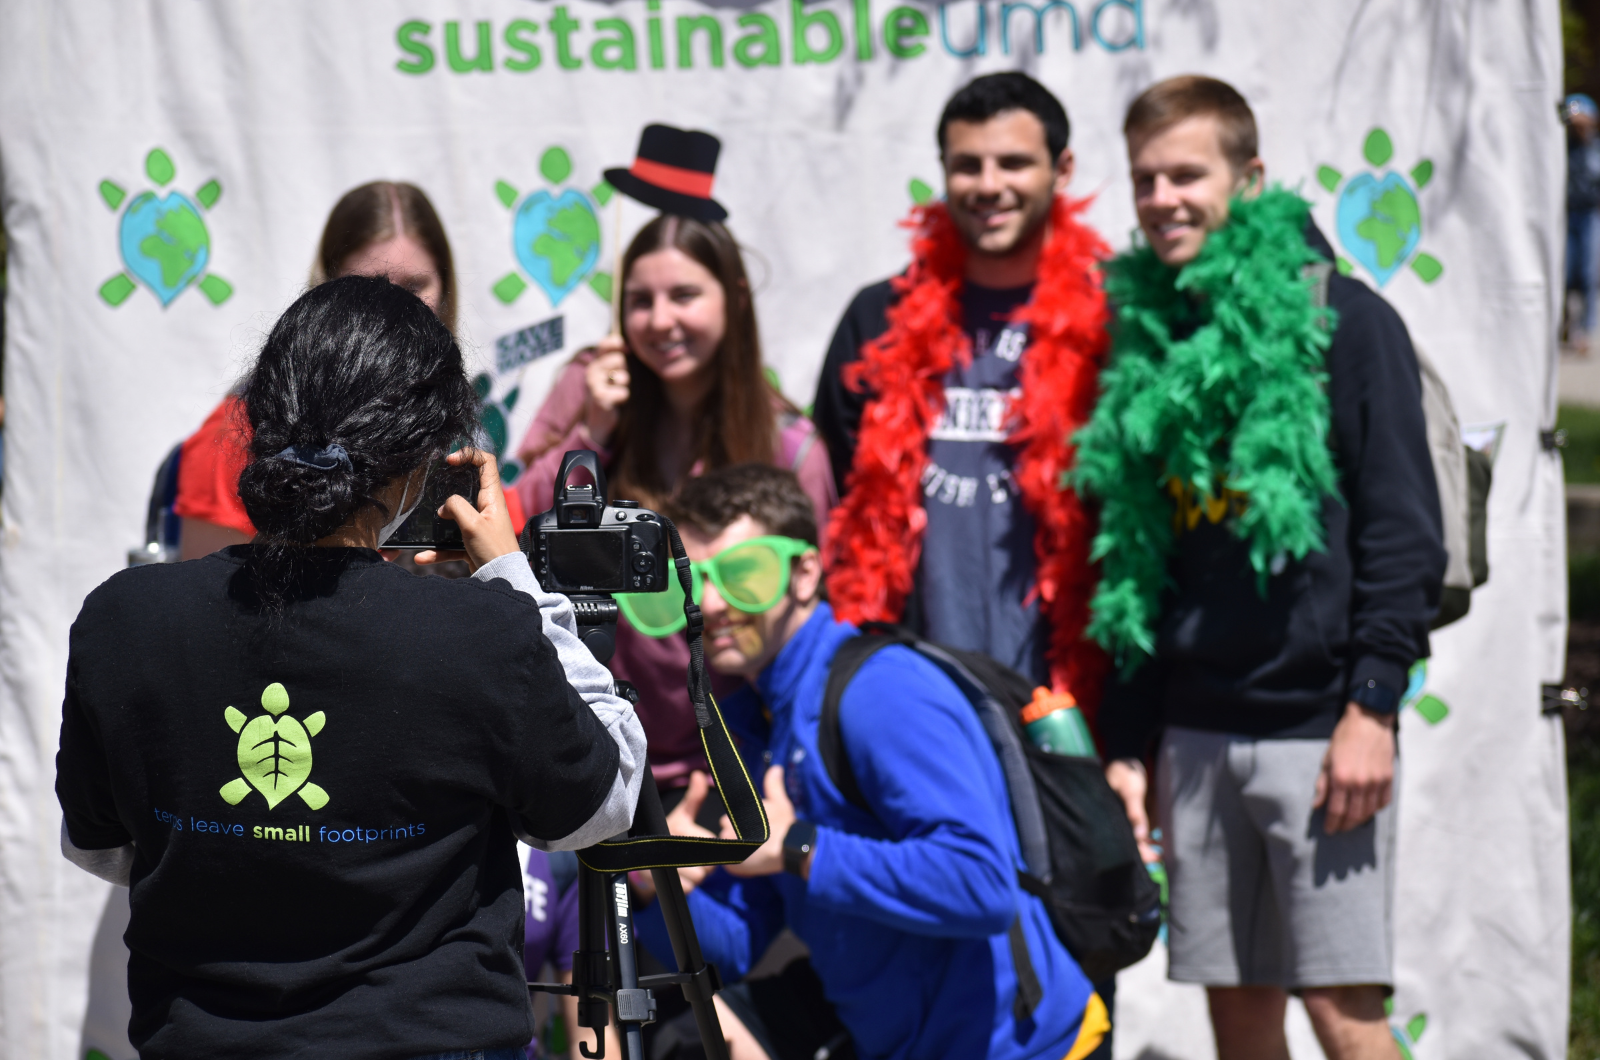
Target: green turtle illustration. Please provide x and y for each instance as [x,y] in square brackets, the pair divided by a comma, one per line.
[164,241]
[274,752]
[555,234]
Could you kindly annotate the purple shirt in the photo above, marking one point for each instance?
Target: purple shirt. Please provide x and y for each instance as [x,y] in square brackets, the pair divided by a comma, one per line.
[551,931]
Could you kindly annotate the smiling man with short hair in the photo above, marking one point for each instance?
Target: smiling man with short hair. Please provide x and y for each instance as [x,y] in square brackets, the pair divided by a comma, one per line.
[1271,556]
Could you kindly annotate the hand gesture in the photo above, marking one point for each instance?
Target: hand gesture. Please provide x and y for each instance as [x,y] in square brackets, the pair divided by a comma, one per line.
[681,821]
[1128,779]
[607,381]
[1357,778]
[485,530]
[768,858]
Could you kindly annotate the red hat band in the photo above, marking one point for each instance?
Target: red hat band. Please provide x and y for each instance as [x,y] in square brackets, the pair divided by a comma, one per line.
[673,178]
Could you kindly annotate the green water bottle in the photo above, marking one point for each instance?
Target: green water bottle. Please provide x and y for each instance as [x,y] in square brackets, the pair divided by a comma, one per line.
[1054,723]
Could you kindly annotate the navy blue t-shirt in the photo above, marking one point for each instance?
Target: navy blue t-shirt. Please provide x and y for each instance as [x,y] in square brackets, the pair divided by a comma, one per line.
[976,578]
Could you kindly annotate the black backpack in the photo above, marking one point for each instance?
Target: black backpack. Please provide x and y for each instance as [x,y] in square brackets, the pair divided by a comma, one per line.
[1076,842]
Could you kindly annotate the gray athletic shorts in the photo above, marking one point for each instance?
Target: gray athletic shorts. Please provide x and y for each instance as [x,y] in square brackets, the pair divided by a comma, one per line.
[1261,895]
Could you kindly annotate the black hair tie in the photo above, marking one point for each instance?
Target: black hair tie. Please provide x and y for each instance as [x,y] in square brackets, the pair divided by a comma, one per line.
[323,458]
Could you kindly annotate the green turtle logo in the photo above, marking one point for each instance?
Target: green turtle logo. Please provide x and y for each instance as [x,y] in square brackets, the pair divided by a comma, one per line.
[555,234]
[1377,216]
[1406,1037]
[495,418]
[164,241]
[274,752]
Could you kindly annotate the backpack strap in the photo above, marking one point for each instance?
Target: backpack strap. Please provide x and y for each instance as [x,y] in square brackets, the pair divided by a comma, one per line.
[1029,992]
[1319,273]
[847,661]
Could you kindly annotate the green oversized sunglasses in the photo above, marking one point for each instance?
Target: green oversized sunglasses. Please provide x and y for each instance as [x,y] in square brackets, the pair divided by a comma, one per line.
[752,576]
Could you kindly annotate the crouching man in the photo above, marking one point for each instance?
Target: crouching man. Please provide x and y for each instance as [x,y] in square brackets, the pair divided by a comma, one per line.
[907,910]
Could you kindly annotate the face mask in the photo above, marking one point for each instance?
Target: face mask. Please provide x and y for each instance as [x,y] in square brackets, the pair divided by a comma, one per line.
[405,513]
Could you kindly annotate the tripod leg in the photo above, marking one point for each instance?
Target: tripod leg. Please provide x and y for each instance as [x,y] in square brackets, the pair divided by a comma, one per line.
[680,928]
[591,964]
[635,1007]
[686,951]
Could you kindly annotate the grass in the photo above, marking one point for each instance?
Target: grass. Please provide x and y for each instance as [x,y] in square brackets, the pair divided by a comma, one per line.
[1581,459]
[1583,793]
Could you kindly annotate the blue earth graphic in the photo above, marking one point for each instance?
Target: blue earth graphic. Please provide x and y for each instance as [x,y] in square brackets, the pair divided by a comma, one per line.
[164,242]
[1379,222]
[557,240]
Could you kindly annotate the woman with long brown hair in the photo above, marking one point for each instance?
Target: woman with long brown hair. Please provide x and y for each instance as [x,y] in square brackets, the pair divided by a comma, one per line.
[680,392]
[385,228]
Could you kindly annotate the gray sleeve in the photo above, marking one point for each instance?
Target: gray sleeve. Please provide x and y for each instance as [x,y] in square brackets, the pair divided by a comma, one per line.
[593,682]
[113,866]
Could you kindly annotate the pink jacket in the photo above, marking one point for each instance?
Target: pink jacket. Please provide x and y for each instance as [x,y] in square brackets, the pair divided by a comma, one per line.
[657,666]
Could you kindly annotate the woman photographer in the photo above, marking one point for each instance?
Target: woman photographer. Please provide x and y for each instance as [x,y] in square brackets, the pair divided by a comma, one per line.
[682,391]
[309,765]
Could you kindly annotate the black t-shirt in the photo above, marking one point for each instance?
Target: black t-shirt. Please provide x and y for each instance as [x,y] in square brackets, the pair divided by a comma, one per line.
[321,802]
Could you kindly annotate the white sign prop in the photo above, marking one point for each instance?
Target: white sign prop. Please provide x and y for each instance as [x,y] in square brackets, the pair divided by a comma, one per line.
[167,167]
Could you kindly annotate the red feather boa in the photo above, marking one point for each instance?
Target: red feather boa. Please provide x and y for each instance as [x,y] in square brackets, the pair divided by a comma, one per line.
[875,534]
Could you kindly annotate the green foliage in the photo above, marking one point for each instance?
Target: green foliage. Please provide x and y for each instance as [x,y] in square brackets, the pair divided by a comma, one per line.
[1581,457]
[1237,405]
[1577,48]
[1583,792]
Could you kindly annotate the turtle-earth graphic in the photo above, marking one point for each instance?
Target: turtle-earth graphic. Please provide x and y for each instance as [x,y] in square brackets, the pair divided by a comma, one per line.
[555,234]
[164,242]
[1379,221]
[274,752]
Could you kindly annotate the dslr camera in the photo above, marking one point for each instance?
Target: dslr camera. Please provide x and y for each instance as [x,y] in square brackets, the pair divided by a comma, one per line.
[587,549]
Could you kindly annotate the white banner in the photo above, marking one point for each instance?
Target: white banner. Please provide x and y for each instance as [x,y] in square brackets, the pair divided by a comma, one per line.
[167,167]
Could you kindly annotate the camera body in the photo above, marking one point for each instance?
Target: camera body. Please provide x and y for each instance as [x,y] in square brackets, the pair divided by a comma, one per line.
[584,545]
[424,528]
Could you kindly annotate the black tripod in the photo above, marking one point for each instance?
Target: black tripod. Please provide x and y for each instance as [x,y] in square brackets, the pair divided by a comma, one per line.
[605,968]
[600,543]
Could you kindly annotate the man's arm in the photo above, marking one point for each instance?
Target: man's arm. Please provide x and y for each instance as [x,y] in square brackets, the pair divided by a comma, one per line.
[735,921]
[1129,722]
[1396,544]
[921,758]
[836,409]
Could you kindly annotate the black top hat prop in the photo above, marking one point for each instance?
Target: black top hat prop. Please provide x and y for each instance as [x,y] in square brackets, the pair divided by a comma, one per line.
[673,173]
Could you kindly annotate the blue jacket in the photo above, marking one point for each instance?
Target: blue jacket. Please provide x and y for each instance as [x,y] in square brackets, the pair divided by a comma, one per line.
[906,910]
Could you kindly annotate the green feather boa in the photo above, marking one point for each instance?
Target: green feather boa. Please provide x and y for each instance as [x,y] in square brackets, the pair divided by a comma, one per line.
[1240,404]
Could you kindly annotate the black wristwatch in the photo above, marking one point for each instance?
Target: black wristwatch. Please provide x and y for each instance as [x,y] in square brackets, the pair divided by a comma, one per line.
[1379,699]
[797,844]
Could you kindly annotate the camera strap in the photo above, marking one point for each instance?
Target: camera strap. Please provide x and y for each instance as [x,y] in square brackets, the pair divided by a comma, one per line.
[728,773]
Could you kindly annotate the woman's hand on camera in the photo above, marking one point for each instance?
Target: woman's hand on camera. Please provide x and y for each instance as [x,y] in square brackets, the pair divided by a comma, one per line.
[607,381]
[486,530]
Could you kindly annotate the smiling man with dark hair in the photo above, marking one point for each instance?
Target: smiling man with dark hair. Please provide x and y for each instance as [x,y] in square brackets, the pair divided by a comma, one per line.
[950,391]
